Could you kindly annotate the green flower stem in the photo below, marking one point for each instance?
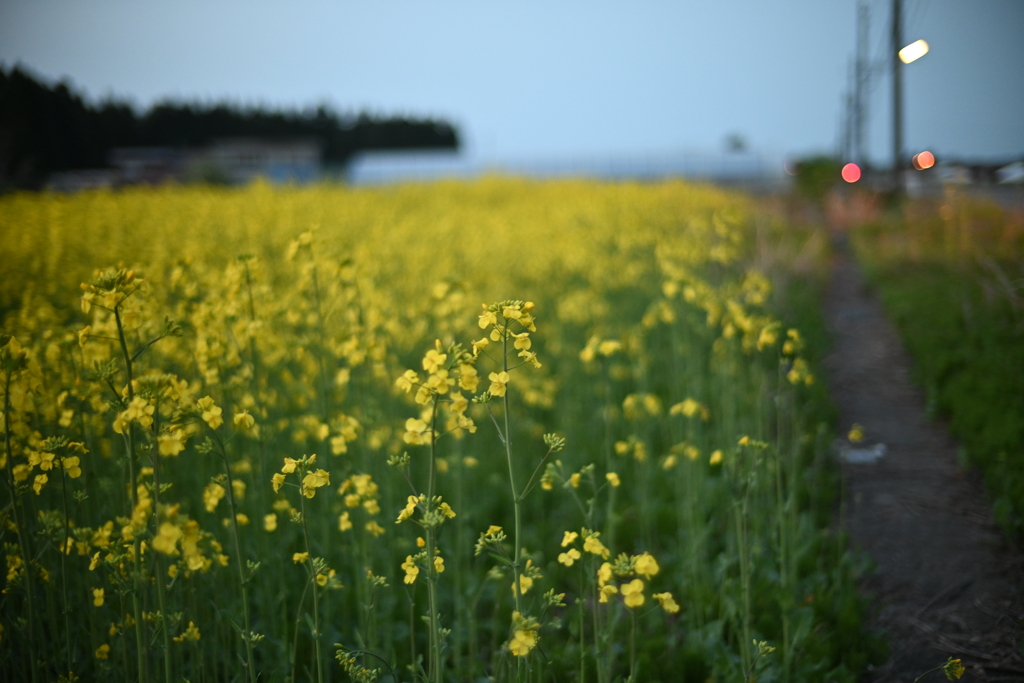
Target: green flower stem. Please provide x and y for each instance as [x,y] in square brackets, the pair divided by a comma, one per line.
[632,646]
[63,568]
[516,502]
[740,510]
[316,600]
[600,663]
[782,518]
[157,566]
[242,579]
[517,550]
[321,331]
[431,574]
[15,507]
[583,640]
[137,577]
[295,638]
[609,526]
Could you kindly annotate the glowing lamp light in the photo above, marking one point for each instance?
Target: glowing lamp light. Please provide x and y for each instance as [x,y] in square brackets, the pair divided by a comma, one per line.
[851,173]
[914,51]
[923,160]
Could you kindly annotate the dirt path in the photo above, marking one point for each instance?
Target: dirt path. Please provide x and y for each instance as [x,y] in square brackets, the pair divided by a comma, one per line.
[945,583]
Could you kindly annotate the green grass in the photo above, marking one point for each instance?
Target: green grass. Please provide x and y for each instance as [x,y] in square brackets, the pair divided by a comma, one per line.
[958,310]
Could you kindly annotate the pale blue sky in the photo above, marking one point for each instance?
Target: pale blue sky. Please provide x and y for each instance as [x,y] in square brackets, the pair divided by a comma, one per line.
[551,78]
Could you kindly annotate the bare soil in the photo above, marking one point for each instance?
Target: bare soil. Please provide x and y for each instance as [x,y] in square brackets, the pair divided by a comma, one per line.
[946,582]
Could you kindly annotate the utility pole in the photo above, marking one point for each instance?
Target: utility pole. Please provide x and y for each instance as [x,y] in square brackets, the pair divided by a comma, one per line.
[847,144]
[862,85]
[897,96]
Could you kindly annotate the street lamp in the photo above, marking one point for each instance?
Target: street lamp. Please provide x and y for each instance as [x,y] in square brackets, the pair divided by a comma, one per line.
[914,51]
[900,56]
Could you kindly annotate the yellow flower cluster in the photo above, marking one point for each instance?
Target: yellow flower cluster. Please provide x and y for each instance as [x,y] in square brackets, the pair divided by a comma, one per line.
[632,591]
[311,479]
[524,635]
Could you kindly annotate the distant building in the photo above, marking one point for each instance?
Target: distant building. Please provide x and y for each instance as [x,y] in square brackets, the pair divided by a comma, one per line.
[1011,173]
[243,160]
[149,165]
[229,161]
[84,179]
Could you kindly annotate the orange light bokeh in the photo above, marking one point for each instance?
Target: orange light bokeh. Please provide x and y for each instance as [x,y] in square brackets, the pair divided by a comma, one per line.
[923,160]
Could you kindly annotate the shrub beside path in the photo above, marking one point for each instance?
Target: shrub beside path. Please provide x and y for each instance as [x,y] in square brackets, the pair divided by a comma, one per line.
[945,581]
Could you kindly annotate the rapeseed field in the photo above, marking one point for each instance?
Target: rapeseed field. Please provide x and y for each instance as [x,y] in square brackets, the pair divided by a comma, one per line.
[457,431]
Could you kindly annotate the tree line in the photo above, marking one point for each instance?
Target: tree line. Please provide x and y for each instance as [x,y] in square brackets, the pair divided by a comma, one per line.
[44,129]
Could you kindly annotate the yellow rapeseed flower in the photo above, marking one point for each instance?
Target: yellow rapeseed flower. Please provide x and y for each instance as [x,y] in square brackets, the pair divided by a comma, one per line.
[299,558]
[499,382]
[592,545]
[141,411]
[212,495]
[166,540]
[646,565]
[71,466]
[525,584]
[856,434]
[632,593]
[408,510]
[433,360]
[607,592]
[171,443]
[953,669]
[314,480]
[667,602]
[408,379]
[416,432]
[244,421]
[191,634]
[97,597]
[569,557]
[613,479]
[487,318]
[468,377]
[102,652]
[211,412]
[523,641]
[411,570]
